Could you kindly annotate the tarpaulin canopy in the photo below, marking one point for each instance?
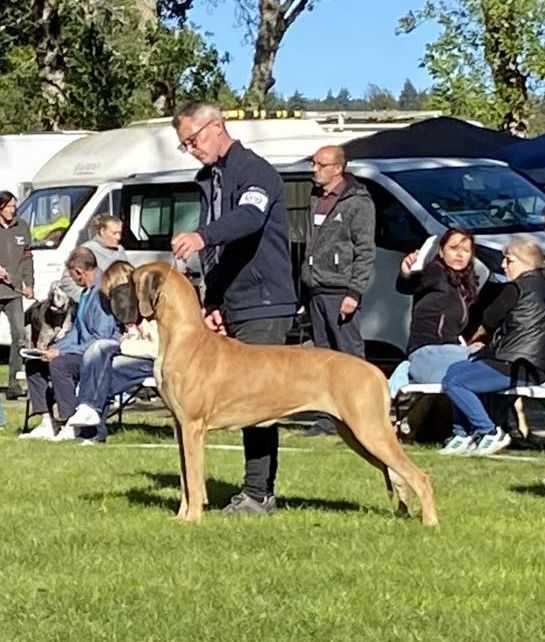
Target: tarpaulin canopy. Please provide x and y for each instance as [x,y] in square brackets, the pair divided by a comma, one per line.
[526,154]
[434,137]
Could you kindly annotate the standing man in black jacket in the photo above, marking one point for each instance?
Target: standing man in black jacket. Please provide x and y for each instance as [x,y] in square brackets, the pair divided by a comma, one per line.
[243,243]
[339,258]
[16,281]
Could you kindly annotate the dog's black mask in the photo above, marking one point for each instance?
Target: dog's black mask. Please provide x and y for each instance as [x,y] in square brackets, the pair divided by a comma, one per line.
[124,303]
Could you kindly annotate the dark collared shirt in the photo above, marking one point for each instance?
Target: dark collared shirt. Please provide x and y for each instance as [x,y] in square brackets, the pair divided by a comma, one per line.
[327,200]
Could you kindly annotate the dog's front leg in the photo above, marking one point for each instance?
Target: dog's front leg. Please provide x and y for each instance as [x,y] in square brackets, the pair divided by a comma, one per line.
[182,511]
[193,447]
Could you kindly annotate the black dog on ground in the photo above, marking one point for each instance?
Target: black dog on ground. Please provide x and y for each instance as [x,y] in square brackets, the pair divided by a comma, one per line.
[49,320]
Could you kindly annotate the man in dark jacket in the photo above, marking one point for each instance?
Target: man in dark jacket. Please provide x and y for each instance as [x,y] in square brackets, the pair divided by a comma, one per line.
[339,257]
[243,243]
[16,281]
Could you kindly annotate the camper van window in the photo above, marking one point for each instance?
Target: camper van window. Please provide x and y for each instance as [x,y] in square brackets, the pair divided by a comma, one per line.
[50,212]
[153,218]
[396,228]
[478,198]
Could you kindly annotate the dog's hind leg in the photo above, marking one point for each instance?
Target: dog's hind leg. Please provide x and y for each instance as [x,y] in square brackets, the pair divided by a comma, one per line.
[390,478]
[370,425]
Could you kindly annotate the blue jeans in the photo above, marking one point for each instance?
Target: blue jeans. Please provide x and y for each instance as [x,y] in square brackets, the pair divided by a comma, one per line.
[2,415]
[462,384]
[427,364]
[105,373]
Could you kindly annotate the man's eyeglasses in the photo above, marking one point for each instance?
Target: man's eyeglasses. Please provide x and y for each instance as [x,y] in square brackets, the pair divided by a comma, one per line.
[191,141]
[321,165]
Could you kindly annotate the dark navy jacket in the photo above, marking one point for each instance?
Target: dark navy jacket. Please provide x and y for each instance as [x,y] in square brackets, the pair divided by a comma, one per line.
[253,277]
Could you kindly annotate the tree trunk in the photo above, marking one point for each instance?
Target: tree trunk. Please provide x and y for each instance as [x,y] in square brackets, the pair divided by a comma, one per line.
[275,17]
[50,61]
[511,84]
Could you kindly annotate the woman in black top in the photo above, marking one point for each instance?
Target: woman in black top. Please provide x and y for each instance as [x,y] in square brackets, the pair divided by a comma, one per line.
[516,354]
[442,293]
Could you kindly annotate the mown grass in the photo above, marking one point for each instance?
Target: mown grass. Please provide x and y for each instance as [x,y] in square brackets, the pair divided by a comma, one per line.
[89,548]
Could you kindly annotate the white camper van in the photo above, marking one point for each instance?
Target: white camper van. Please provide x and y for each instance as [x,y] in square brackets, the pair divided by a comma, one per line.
[22,155]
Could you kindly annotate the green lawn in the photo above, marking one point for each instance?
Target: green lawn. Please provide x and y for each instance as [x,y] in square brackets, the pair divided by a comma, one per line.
[90,551]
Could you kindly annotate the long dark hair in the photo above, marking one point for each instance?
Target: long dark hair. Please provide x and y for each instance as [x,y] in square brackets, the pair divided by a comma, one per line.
[5,198]
[465,281]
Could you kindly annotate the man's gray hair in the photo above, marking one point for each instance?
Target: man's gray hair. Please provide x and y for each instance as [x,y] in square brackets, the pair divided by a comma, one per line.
[195,108]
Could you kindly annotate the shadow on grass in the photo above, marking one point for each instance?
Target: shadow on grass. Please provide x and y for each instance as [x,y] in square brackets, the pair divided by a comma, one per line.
[155,430]
[530,489]
[219,494]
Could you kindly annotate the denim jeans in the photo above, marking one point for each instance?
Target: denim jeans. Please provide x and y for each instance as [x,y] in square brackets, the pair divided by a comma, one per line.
[462,384]
[105,373]
[427,364]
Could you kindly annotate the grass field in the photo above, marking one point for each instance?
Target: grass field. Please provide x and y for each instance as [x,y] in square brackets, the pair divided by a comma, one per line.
[89,548]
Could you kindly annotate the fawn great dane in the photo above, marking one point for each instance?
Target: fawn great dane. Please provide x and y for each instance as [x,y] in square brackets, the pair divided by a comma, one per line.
[211,381]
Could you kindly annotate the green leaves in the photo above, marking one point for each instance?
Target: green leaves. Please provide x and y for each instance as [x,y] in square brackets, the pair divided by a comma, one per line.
[487,58]
[111,61]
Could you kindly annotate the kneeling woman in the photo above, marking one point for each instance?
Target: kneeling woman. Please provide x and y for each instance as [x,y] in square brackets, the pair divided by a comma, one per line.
[515,355]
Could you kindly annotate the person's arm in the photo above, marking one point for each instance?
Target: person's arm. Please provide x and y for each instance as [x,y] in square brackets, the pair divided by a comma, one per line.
[496,312]
[67,284]
[27,264]
[255,196]
[362,232]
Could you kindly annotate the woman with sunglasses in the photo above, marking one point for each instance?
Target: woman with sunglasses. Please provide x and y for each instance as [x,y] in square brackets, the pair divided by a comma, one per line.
[514,356]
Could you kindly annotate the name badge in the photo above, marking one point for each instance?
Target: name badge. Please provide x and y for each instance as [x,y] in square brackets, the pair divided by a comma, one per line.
[319,219]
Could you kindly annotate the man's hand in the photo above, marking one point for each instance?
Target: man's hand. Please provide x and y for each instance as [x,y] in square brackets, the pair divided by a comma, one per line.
[348,307]
[28,291]
[214,321]
[50,354]
[3,273]
[186,244]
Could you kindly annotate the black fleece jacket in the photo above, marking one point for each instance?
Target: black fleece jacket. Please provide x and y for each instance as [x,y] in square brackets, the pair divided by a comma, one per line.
[440,313]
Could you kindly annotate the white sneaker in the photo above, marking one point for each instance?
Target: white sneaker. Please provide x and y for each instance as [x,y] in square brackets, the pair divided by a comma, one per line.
[66,433]
[492,443]
[44,430]
[458,445]
[84,416]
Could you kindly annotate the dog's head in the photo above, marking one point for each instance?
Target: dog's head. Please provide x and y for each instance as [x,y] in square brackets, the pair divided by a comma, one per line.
[57,299]
[136,298]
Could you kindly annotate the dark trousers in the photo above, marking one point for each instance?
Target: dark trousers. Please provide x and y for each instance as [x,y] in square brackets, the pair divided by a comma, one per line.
[63,374]
[13,309]
[330,331]
[260,444]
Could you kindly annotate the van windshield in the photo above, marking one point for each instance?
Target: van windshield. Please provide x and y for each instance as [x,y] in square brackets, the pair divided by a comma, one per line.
[50,212]
[479,198]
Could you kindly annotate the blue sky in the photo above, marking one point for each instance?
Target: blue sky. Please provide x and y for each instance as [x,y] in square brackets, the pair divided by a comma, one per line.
[341,43]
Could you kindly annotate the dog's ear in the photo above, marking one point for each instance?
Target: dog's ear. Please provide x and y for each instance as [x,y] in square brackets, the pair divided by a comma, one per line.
[148,289]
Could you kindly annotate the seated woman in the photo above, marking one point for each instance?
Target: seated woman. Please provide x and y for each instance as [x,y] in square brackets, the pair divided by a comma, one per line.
[442,293]
[515,355]
[104,244]
[110,367]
